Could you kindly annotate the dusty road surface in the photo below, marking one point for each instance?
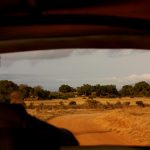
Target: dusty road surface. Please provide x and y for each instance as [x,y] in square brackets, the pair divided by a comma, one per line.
[88,132]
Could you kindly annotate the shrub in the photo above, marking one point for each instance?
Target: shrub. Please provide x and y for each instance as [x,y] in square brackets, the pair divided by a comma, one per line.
[100,105]
[70,95]
[72,103]
[84,97]
[63,96]
[90,97]
[31,106]
[131,96]
[60,95]
[61,103]
[118,104]
[109,105]
[40,106]
[126,104]
[140,103]
[49,107]
[92,103]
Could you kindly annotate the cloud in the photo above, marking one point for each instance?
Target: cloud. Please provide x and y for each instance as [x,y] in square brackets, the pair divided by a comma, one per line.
[35,56]
[135,77]
[8,59]
[55,54]
[123,52]
[122,80]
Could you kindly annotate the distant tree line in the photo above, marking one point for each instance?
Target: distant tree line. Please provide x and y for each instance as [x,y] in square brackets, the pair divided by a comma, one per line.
[140,89]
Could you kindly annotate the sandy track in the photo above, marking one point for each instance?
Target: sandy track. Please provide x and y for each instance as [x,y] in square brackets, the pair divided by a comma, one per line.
[88,132]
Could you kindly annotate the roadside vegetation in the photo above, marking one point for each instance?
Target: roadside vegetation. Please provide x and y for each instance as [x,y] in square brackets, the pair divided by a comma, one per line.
[125,111]
[86,97]
[7,88]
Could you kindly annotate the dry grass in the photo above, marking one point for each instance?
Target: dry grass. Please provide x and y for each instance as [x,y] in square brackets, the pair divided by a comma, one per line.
[81,100]
[52,111]
[125,99]
[133,122]
[45,115]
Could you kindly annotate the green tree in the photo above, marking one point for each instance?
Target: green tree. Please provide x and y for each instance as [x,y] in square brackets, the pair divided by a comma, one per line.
[97,89]
[108,91]
[65,88]
[85,89]
[55,95]
[127,90]
[6,88]
[40,93]
[142,89]
[24,90]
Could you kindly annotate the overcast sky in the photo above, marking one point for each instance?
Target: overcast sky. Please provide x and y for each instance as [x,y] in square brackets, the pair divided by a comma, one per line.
[52,68]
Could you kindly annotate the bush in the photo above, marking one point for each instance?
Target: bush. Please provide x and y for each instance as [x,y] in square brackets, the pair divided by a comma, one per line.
[100,105]
[131,96]
[92,103]
[72,103]
[59,95]
[127,104]
[61,103]
[31,106]
[140,103]
[84,97]
[118,105]
[63,96]
[41,106]
[49,107]
[109,105]
[90,97]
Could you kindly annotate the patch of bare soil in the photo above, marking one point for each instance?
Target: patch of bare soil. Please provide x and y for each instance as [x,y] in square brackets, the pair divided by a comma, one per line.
[96,129]
[124,126]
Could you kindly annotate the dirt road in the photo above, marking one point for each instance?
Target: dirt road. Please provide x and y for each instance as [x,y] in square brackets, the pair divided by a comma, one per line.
[88,132]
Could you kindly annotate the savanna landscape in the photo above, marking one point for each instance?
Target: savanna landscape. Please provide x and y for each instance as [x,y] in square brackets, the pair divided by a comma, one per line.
[127,125]
[95,114]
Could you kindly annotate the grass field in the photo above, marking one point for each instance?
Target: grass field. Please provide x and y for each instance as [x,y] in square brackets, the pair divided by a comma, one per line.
[56,110]
[133,121]
[81,100]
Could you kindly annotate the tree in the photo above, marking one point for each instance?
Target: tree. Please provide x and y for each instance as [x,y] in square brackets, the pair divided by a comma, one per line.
[40,93]
[6,88]
[25,91]
[107,91]
[112,91]
[65,88]
[85,89]
[142,89]
[97,89]
[127,90]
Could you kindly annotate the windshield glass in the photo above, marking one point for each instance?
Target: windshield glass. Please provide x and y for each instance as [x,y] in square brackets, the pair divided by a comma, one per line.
[102,96]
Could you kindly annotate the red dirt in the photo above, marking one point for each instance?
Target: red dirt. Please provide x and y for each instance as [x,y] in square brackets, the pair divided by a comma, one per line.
[88,132]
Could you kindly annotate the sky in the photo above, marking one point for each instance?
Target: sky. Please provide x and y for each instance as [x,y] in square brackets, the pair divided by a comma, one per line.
[52,68]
